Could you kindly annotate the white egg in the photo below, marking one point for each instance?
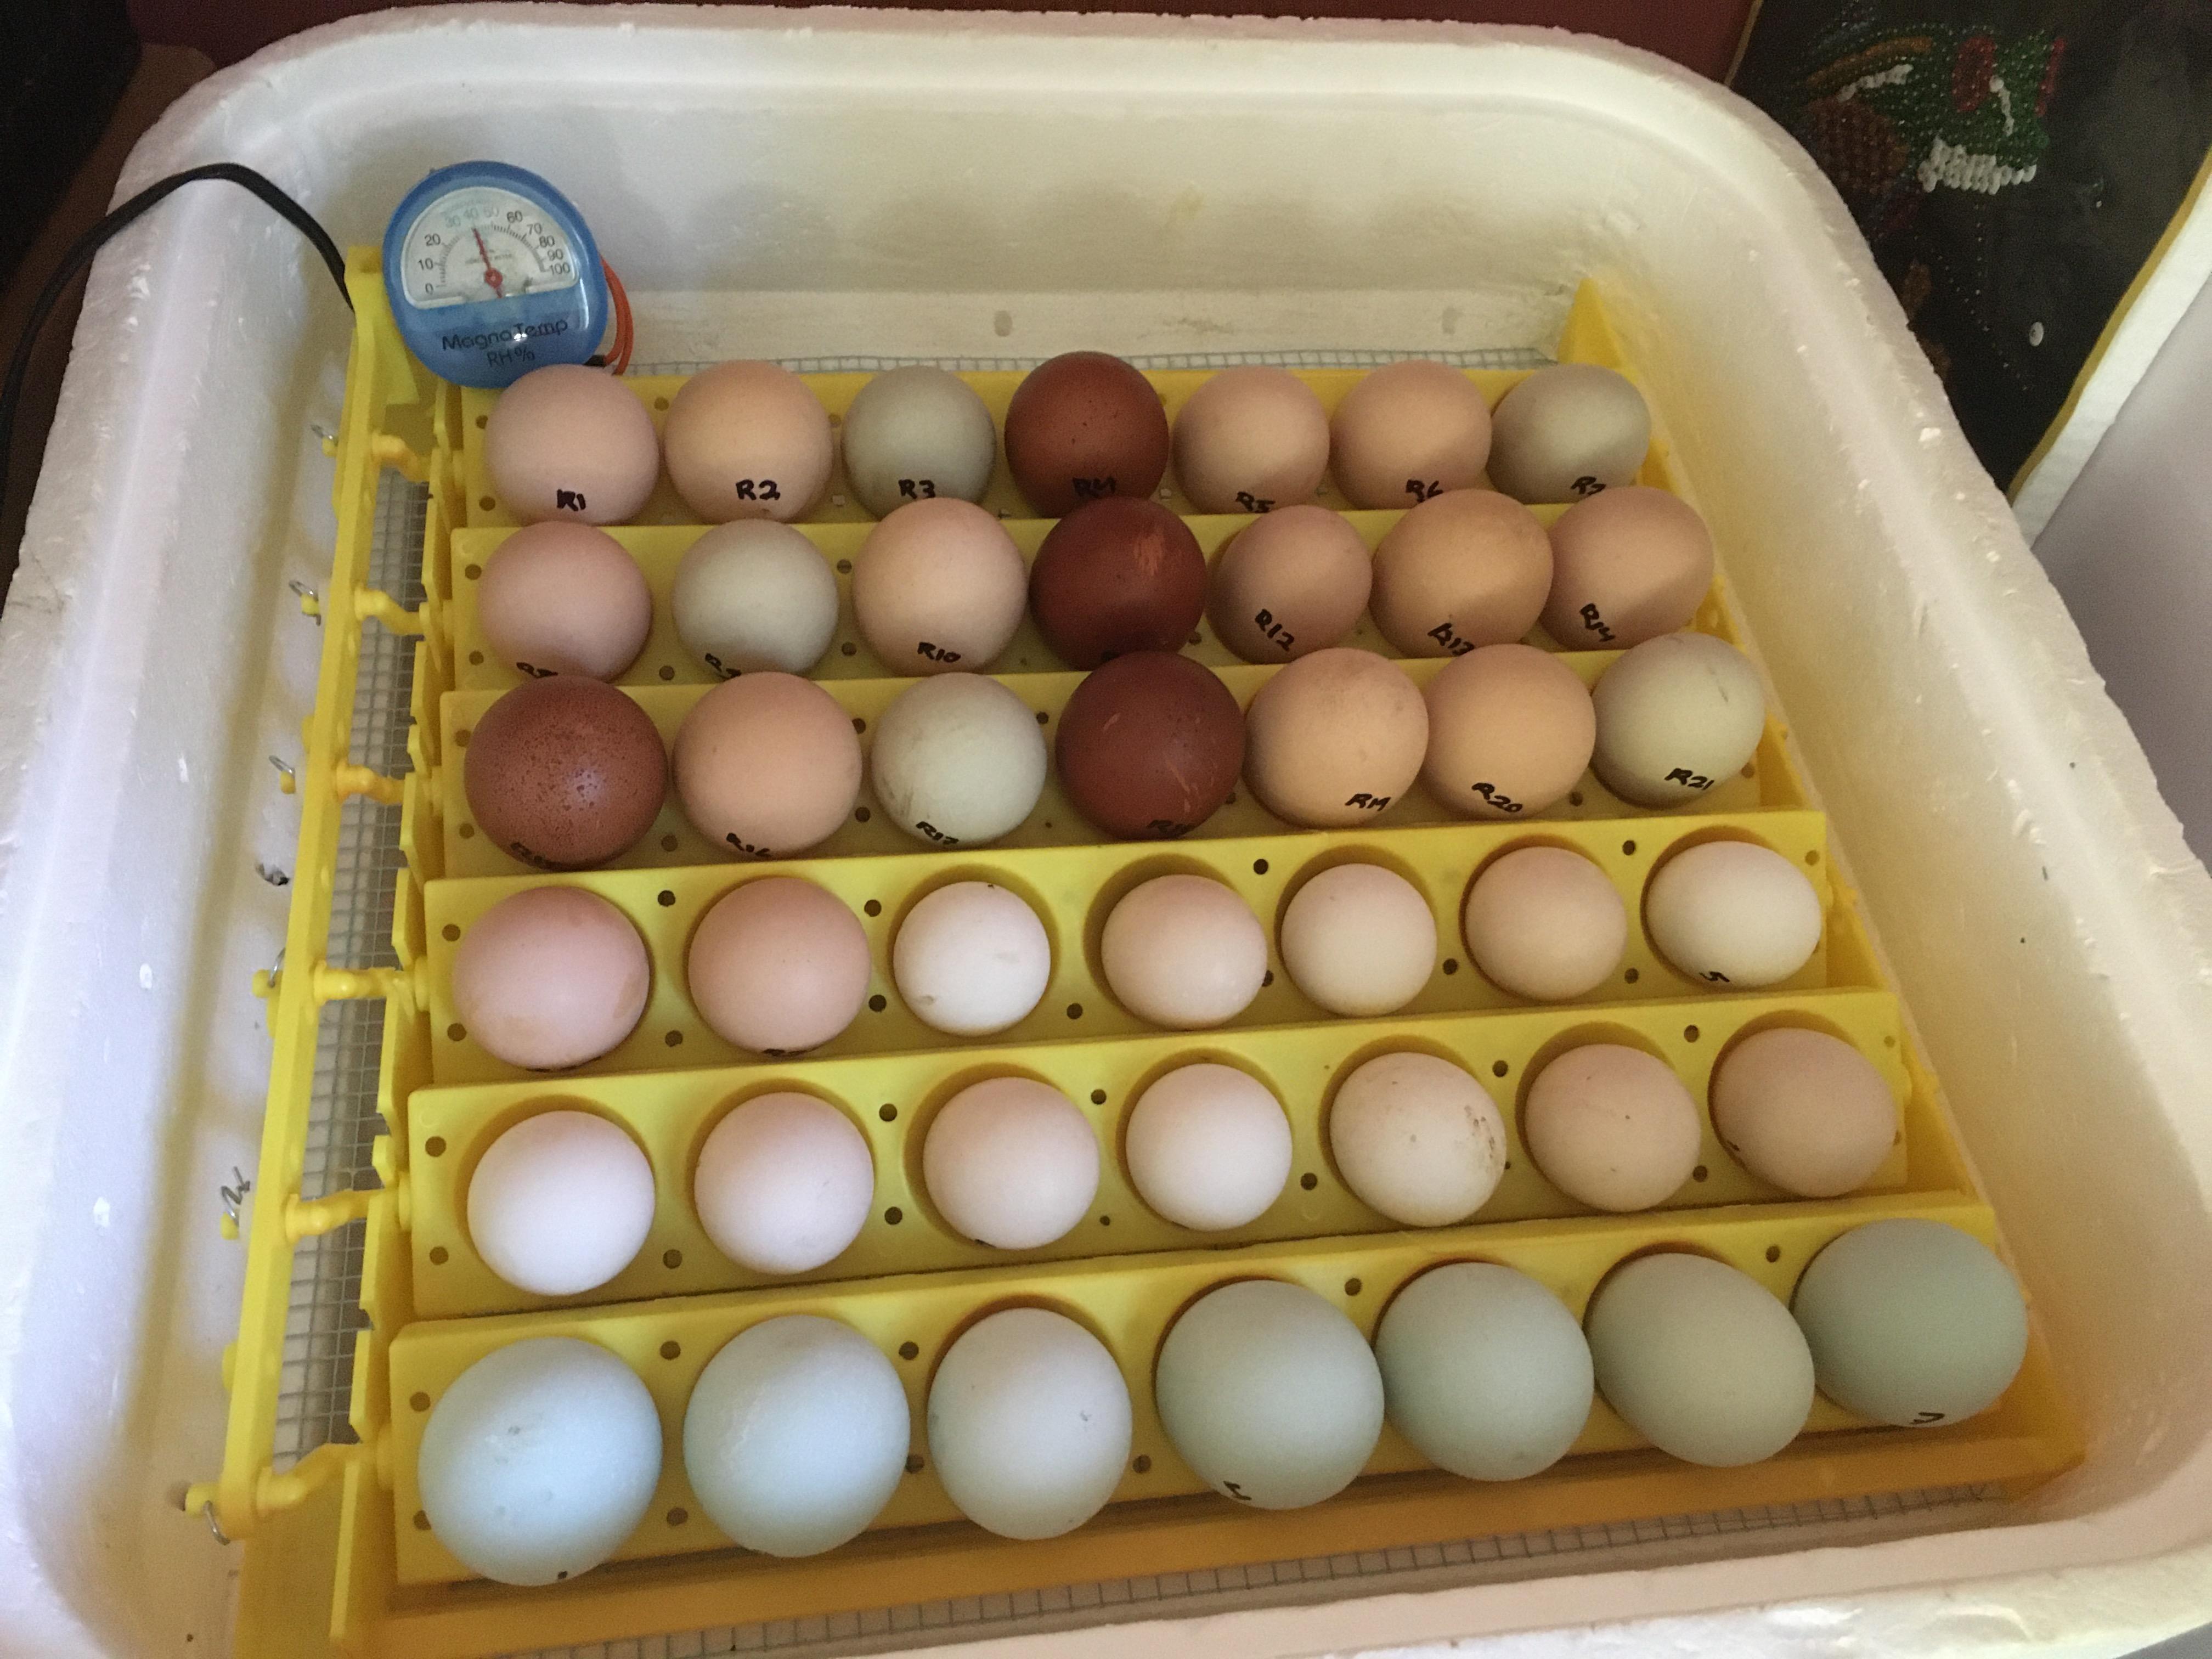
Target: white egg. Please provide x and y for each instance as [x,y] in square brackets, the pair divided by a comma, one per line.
[1359,939]
[1732,913]
[796,1436]
[784,1184]
[971,958]
[1545,923]
[1418,1139]
[1269,1393]
[1208,1146]
[754,594]
[1010,1162]
[1029,1424]
[539,1460]
[1699,1359]
[1485,1371]
[1183,952]
[957,761]
[1676,715]
[560,1203]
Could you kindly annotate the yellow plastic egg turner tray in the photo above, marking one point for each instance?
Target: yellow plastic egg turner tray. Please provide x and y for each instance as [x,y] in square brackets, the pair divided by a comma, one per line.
[337,1558]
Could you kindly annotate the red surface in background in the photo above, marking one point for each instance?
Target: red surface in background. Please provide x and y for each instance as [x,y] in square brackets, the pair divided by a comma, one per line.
[1700,34]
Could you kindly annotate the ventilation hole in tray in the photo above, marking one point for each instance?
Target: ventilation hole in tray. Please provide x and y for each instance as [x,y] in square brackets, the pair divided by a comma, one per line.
[437,1255]
[668,843]
[666,672]
[660,402]
[461,739]
[893,1216]
[672,1258]
[1574,797]
[667,899]
[467,832]
[1629,848]
[1098,1096]
[1105,1220]
[450,933]
[486,502]
[1309,1181]
[1500,1067]
[1700,1173]
[876,1003]
[1451,964]
[435,1146]
[1750,769]
[908,1350]
[422,1521]
[419,1401]
[1075,1011]
[860,815]
[482,421]
[1266,979]
[873,907]
[849,649]
[1774,1253]
[844,566]
[1193,638]
[559,1575]
[1889,1043]
[474,571]
[913,1464]
[1143,1464]
[1231,801]
[1259,867]
[858,725]
[679,1515]
[671,1349]
[888,1112]
[1689,1034]
[457,1032]
[1812,857]
[1043,718]
[476,659]
[1630,977]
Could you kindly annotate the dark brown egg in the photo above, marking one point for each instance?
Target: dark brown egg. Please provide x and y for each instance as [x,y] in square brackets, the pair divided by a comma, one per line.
[1115,576]
[1149,745]
[1082,427]
[565,773]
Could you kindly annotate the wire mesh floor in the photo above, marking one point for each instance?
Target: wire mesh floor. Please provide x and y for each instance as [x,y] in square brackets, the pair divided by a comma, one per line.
[324,1313]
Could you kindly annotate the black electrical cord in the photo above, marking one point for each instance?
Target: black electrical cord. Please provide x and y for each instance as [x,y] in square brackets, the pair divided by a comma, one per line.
[81,254]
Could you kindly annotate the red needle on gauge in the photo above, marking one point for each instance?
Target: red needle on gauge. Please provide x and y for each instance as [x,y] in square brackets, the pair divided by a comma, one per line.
[493,280]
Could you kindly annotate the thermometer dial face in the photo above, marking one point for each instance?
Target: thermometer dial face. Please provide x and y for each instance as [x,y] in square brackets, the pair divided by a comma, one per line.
[481,242]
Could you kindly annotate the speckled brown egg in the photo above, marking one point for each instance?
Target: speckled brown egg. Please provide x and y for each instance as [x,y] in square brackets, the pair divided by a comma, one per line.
[1335,738]
[1083,427]
[565,773]
[1510,731]
[1149,745]
[1627,565]
[1115,576]
[1464,569]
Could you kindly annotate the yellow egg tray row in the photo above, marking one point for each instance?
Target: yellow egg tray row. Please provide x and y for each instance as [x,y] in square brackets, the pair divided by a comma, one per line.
[664,660]
[1073,889]
[335,1559]
[893,1099]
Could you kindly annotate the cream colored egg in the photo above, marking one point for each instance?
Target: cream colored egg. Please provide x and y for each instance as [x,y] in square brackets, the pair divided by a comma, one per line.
[1462,569]
[1292,583]
[1626,566]
[564,598]
[778,966]
[918,434]
[550,977]
[1359,939]
[560,1203]
[1804,1111]
[566,441]
[939,585]
[1011,1163]
[1567,432]
[1251,440]
[1183,952]
[1510,733]
[754,595]
[959,761]
[1208,1147]
[784,1184]
[768,765]
[1676,715]
[1418,1139]
[1545,923]
[1732,913]
[1334,738]
[971,958]
[1612,1127]
[1407,432]
[747,441]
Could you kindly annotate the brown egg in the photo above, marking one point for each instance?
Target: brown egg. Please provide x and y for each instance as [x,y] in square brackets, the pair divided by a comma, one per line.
[747,441]
[1117,576]
[566,441]
[1083,426]
[1249,440]
[768,765]
[1510,731]
[937,587]
[1803,1111]
[1462,569]
[1334,738]
[1292,583]
[1611,1127]
[1627,565]
[1405,433]
[565,773]
[778,965]
[564,598]
[550,977]
[1149,745]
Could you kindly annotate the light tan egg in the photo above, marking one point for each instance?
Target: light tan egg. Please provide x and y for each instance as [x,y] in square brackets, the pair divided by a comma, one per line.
[1249,440]
[1626,565]
[939,585]
[1405,433]
[1334,738]
[1290,584]
[1183,952]
[1612,1127]
[1463,569]
[778,965]
[550,977]
[1803,1111]
[767,765]
[1545,923]
[1510,731]
[566,441]
[1359,939]
[564,598]
[1568,432]
[747,441]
